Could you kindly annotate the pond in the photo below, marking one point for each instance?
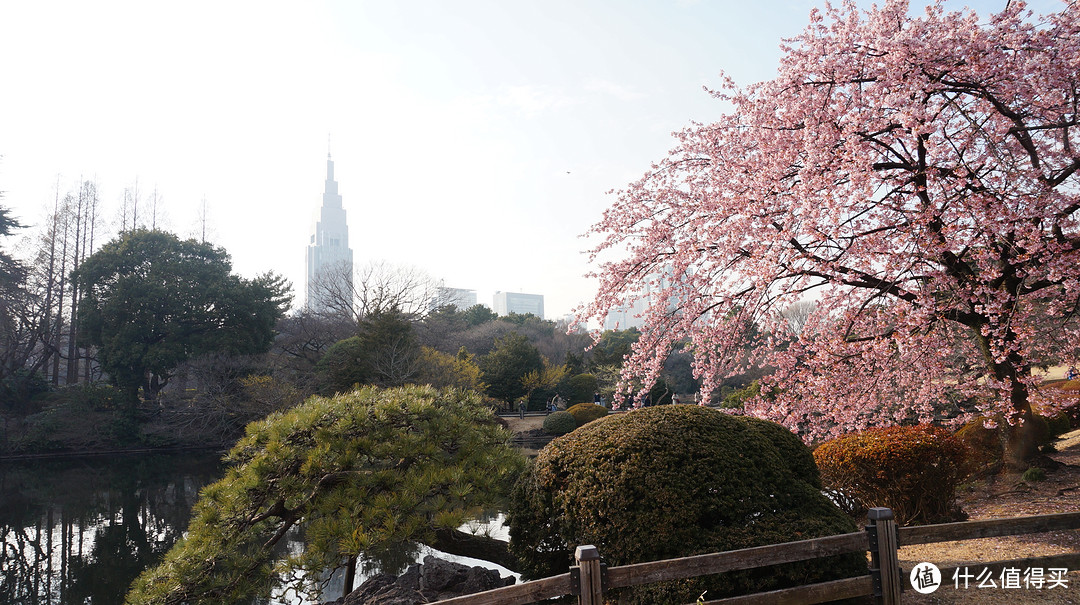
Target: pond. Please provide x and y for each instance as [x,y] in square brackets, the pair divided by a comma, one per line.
[79,530]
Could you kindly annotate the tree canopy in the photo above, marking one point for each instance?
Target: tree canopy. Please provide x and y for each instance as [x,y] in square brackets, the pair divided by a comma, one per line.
[12,275]
[504,368]
[916,176]
[151,301]
[360,472]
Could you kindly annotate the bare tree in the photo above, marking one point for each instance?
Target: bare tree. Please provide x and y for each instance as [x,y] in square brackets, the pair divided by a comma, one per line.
[798,314]
[373,288]
[158,216]
[61,229]
[84,218]
[129,207]
[303,337]
[203,229]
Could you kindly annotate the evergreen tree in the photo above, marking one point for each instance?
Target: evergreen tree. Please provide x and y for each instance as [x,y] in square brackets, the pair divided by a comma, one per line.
[151,301]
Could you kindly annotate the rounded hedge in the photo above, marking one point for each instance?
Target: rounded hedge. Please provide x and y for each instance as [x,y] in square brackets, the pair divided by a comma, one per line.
[559,423]
[584,413]
[914,470]
[674,481]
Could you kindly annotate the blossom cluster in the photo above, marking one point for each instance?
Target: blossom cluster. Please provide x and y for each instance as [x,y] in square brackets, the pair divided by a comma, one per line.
[918,177]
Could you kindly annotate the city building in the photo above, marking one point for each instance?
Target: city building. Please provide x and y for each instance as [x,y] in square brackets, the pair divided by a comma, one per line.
[459,297]
[631,314]
[515,302]
[329,257]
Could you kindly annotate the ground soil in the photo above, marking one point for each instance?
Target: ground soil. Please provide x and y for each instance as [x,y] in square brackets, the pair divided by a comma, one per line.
[1003,496]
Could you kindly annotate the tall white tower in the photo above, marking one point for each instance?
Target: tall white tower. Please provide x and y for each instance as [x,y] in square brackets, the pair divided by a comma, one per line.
[329,257]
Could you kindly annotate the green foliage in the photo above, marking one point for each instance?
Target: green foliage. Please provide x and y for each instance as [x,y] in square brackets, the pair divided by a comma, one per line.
[519,319]
[18,390]
[442,370]
[1034,475]
[660,393]
[390,347]
[151,301]
[479,314]
[545,378]
[504,367]
[12,277]
[342,367]
[914,470]
[384,353]
[735,399]
[587,412]
[675,481]
[581,387]
[614,346]
[559,423]
[359,472]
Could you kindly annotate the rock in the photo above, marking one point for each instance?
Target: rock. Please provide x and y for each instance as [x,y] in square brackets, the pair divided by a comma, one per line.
[382,589]
[454,579]
[411,577]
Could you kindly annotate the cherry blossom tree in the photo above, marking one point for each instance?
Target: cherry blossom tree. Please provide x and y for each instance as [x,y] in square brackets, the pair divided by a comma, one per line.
[916,176]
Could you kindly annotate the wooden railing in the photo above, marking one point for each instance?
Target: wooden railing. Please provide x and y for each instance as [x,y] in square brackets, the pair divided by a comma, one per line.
[589,579]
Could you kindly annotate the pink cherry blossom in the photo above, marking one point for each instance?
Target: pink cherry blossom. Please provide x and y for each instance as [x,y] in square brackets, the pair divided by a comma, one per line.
[917,176]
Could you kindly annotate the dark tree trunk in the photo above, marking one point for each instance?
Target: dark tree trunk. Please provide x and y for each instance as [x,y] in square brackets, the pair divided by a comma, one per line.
[350,575]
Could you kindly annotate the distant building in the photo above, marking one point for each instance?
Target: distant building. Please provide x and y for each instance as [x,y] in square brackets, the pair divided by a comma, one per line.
[329,257]
[514,302]
[459,297]
[631,314]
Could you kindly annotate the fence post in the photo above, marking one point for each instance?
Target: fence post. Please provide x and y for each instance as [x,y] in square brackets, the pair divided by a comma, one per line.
[588,561]
[884,560]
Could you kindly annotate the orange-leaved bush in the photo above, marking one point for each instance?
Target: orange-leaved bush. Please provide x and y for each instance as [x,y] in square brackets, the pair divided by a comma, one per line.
[914,470]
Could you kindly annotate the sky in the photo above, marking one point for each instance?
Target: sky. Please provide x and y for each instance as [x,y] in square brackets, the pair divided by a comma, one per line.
[474,140]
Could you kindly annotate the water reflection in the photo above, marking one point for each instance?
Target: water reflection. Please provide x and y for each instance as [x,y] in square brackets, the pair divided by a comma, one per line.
[79,531]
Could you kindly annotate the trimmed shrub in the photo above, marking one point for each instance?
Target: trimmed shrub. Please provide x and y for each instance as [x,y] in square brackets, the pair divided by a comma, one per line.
[675,481]
[1058,424]
[914,470]
[587,412]
[984,445]
[559,423]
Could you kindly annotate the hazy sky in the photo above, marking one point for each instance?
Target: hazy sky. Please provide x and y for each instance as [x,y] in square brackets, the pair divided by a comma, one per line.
[475,140]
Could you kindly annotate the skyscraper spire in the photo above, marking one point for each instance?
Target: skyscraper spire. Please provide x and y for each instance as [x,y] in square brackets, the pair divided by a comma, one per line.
[329,257]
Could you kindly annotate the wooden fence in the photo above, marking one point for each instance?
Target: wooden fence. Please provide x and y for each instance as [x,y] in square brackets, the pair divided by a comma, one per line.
[589,579]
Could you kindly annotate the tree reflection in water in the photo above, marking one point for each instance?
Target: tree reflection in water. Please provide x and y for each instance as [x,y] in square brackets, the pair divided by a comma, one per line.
[78,531]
